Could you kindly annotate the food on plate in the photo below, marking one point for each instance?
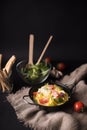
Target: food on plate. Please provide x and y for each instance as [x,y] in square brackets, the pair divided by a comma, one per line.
[79,106]
[35,71]
[50,95]
[5,74]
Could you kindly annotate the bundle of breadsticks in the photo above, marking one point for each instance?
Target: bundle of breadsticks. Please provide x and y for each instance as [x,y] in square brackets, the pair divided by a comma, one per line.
[5,73]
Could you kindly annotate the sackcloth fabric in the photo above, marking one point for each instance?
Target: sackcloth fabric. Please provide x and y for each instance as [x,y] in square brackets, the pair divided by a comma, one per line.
[67,119]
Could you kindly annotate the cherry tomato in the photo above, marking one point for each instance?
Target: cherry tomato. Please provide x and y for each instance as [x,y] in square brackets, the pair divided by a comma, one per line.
[43,100]
[78,106]
[61,66]
[47,60]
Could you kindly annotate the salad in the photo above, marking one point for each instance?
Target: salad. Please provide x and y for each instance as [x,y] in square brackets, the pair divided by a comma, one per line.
[35,71]
[50,95]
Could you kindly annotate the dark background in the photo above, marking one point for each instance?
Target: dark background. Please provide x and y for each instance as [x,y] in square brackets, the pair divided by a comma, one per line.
[66,21]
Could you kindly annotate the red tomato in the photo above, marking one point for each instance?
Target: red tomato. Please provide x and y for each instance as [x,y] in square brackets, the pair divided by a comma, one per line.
[47,60]
[61,66]
[43,100]
[78,106]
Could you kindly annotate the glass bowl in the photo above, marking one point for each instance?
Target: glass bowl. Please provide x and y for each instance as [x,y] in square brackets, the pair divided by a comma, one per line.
[33,74]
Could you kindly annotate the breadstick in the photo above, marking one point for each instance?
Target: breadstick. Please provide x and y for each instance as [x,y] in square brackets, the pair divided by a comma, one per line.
[5,73]
[4,83]
[0,60]
[9,64]
[2,86]
[1,82]
[7,86]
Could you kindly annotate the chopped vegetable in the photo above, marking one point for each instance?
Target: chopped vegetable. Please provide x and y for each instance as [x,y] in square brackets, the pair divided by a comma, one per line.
[33,72]
[43,100]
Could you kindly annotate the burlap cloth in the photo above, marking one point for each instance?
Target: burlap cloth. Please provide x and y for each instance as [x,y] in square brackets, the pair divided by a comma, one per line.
[67,119]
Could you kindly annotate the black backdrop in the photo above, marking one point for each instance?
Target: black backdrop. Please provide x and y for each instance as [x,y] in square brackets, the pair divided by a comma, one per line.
[66,21]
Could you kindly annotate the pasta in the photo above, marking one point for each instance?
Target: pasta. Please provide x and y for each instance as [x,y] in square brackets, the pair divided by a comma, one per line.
[50,95]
